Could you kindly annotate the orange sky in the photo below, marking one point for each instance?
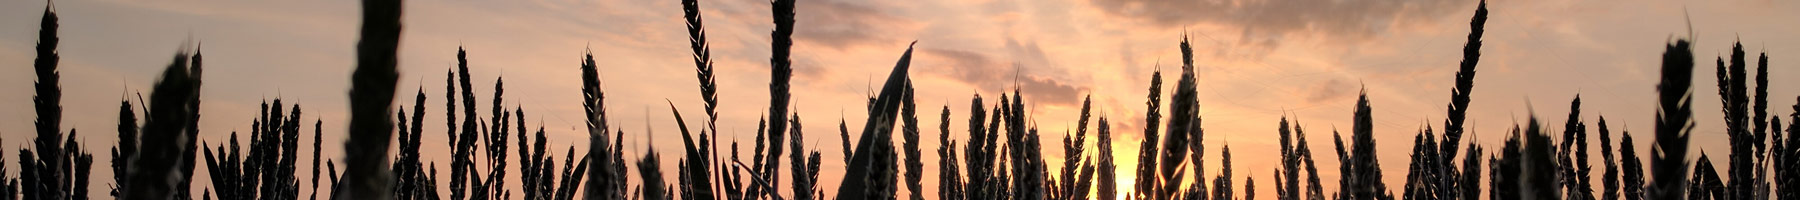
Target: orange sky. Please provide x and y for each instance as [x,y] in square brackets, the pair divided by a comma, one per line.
[1257,59]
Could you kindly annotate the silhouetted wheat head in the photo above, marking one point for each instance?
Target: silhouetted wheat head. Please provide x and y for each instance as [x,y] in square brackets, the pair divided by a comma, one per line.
[608,168]
[1222,183]
[1108,179]
[169,128]
[410,177]
[1609,181]
[1705,183]
[267,170]
[909,134]
[1071,185]
[1634,185]
[1746,131]
[58,169]
[1447,175]
[1673,122]
[951,185]
[649,169]
[1362,174]
[1420,177]
[781,72]
[1786,150]
[1184,106]
[980,154]
[1147,152]
[371,97]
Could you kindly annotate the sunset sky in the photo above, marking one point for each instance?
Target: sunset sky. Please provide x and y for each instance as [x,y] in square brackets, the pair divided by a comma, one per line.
[1256,61]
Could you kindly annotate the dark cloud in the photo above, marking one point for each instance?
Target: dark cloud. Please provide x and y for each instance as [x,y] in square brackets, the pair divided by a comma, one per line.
[1030,56]
[978,70]
[1330,89]
[1027,53]
[1263,20]
[841,25]
[1048,91]
[961,65]
[809,68]
[835,24]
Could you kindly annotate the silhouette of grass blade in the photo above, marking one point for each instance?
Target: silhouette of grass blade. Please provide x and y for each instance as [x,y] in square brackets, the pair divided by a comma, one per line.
[874,148]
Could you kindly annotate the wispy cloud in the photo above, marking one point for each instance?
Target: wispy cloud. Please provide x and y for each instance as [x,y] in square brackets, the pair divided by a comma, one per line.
[1265,21]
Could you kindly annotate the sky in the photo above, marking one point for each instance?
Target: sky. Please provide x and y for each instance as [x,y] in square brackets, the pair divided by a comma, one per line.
[1256,61]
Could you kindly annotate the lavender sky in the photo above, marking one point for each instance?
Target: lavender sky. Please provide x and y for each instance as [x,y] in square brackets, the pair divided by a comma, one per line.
[1257,60]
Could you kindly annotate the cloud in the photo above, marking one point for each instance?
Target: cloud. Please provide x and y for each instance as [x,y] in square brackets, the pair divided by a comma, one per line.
[983,73]
[841,25]
[1048,91]
[833,24]
[808,67]
[1262,20]
[961,65]
[1329,90]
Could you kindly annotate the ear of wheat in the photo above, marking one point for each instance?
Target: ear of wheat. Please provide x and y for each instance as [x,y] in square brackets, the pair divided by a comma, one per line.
[951,185]
[371,97]
[1184,107]
[781,72]
[1363,171]
[1673,122]
[1633,169]
[1573,155]
[1108,179]
[1447,173]
[909,134]
[172,113]
[1147,152]
[1609,181]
